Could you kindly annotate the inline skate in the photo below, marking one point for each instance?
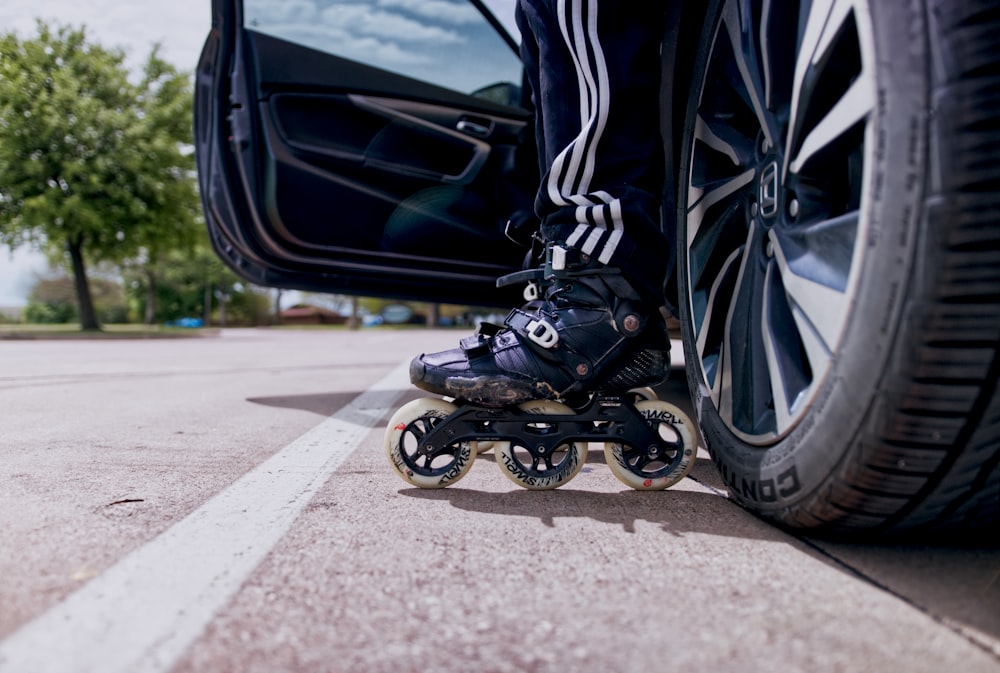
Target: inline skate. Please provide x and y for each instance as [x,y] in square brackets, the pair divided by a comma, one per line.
[563,373]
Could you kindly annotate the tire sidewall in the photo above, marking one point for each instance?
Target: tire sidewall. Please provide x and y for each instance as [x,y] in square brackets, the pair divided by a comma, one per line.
[795,472]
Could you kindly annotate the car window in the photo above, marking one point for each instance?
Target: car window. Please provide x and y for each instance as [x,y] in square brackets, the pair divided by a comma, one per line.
[444,42]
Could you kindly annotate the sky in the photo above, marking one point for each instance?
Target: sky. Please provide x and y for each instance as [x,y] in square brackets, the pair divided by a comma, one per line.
[180,26]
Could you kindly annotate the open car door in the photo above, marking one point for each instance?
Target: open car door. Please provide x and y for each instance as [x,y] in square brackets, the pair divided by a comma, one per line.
[364,147]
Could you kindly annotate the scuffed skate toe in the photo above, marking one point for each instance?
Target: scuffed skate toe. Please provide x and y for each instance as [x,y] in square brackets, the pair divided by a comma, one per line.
[449,373]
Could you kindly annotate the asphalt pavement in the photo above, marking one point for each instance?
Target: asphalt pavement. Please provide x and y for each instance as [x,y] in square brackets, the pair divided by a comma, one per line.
[225,504]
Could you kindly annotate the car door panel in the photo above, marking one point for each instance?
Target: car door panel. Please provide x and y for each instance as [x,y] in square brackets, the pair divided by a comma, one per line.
[371,135]
[325,174]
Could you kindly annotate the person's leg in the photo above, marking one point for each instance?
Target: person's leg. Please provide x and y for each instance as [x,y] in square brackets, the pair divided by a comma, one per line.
[595,82]
[594,70]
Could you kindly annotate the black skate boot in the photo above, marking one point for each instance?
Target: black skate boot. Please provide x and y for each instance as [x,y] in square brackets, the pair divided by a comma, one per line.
[584,328]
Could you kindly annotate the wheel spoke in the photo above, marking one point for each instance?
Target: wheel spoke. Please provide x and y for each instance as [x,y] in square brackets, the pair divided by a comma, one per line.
[792,349]
[743,383]
[773,347]
[825,22]
[714,194]
[822,251]
[716,299]
[854,106]
[745,53]
[817,354]
[823,307]
[637,459]
[420,428]
[704,133]
[542,464]
[765,54]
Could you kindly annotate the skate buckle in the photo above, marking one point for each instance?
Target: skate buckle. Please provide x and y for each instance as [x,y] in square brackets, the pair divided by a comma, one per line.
[558,259]
[531,292]
[542,333]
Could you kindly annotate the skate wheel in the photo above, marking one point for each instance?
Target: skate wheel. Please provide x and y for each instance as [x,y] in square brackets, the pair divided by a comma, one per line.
[407,427]
[653,469]
[644,393]
[521,462]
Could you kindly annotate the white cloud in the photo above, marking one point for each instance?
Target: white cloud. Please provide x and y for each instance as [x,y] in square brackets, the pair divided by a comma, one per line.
[364,20]
[266,12]
[424,39]
[443,11]
[180,25]
[365,49]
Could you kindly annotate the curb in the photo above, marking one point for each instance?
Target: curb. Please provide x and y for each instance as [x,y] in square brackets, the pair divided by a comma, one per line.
[106,336]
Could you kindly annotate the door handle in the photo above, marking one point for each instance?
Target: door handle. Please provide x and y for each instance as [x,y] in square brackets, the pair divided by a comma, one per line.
[473,128]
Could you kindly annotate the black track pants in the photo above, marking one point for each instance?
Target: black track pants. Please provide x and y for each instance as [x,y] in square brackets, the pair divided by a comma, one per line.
[594,71]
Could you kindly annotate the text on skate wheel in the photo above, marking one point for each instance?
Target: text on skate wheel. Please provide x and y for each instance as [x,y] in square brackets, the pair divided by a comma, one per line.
[418,463]
[533,463]
[838,252]
[654,468]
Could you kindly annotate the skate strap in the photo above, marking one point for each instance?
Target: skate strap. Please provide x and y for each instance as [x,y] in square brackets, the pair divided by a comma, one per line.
[518,277]
[477,350]
[488,329]
[562,272]
[537,330]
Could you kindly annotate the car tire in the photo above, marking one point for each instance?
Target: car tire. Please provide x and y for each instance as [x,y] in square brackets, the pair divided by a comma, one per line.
[839,260]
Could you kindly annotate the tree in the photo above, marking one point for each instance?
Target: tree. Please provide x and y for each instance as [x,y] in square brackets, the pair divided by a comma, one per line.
[171,219]
[92,167]
[191,282]
[53,300]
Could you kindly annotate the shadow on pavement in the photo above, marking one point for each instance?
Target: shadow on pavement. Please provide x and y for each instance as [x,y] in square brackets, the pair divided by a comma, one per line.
[324,404]
[674,511]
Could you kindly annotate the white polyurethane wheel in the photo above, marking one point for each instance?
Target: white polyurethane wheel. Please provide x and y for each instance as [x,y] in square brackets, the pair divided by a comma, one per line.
[637,469]
[539,473]
[403,436]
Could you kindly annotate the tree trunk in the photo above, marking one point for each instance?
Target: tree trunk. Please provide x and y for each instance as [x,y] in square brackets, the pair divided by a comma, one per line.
[88,316]
[222,309]
[207,309]
[150,297]
[354,322]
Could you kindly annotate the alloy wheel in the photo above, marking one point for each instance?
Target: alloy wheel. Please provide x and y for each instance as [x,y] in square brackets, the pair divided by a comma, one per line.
[777,210]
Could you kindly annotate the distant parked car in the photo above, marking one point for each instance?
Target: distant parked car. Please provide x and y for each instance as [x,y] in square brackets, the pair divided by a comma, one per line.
[185,322]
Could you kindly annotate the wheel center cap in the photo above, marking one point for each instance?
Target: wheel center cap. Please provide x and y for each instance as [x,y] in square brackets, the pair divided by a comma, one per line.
[767,190]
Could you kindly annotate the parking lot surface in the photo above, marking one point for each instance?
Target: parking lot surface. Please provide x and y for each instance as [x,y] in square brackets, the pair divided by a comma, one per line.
[225,504]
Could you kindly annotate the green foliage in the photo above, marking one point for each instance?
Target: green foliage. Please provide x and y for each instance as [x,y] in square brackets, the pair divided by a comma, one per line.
[91,163]
[53,300]
[248,305]
[184,279]
[50,313]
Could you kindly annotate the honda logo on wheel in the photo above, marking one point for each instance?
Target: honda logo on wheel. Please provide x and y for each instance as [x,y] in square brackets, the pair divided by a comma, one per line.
[767,195]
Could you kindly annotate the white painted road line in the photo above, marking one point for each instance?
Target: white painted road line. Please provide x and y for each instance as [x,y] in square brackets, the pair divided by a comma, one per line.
[141,615]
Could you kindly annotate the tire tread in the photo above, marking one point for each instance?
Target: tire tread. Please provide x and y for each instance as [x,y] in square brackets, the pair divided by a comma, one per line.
[932,458]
